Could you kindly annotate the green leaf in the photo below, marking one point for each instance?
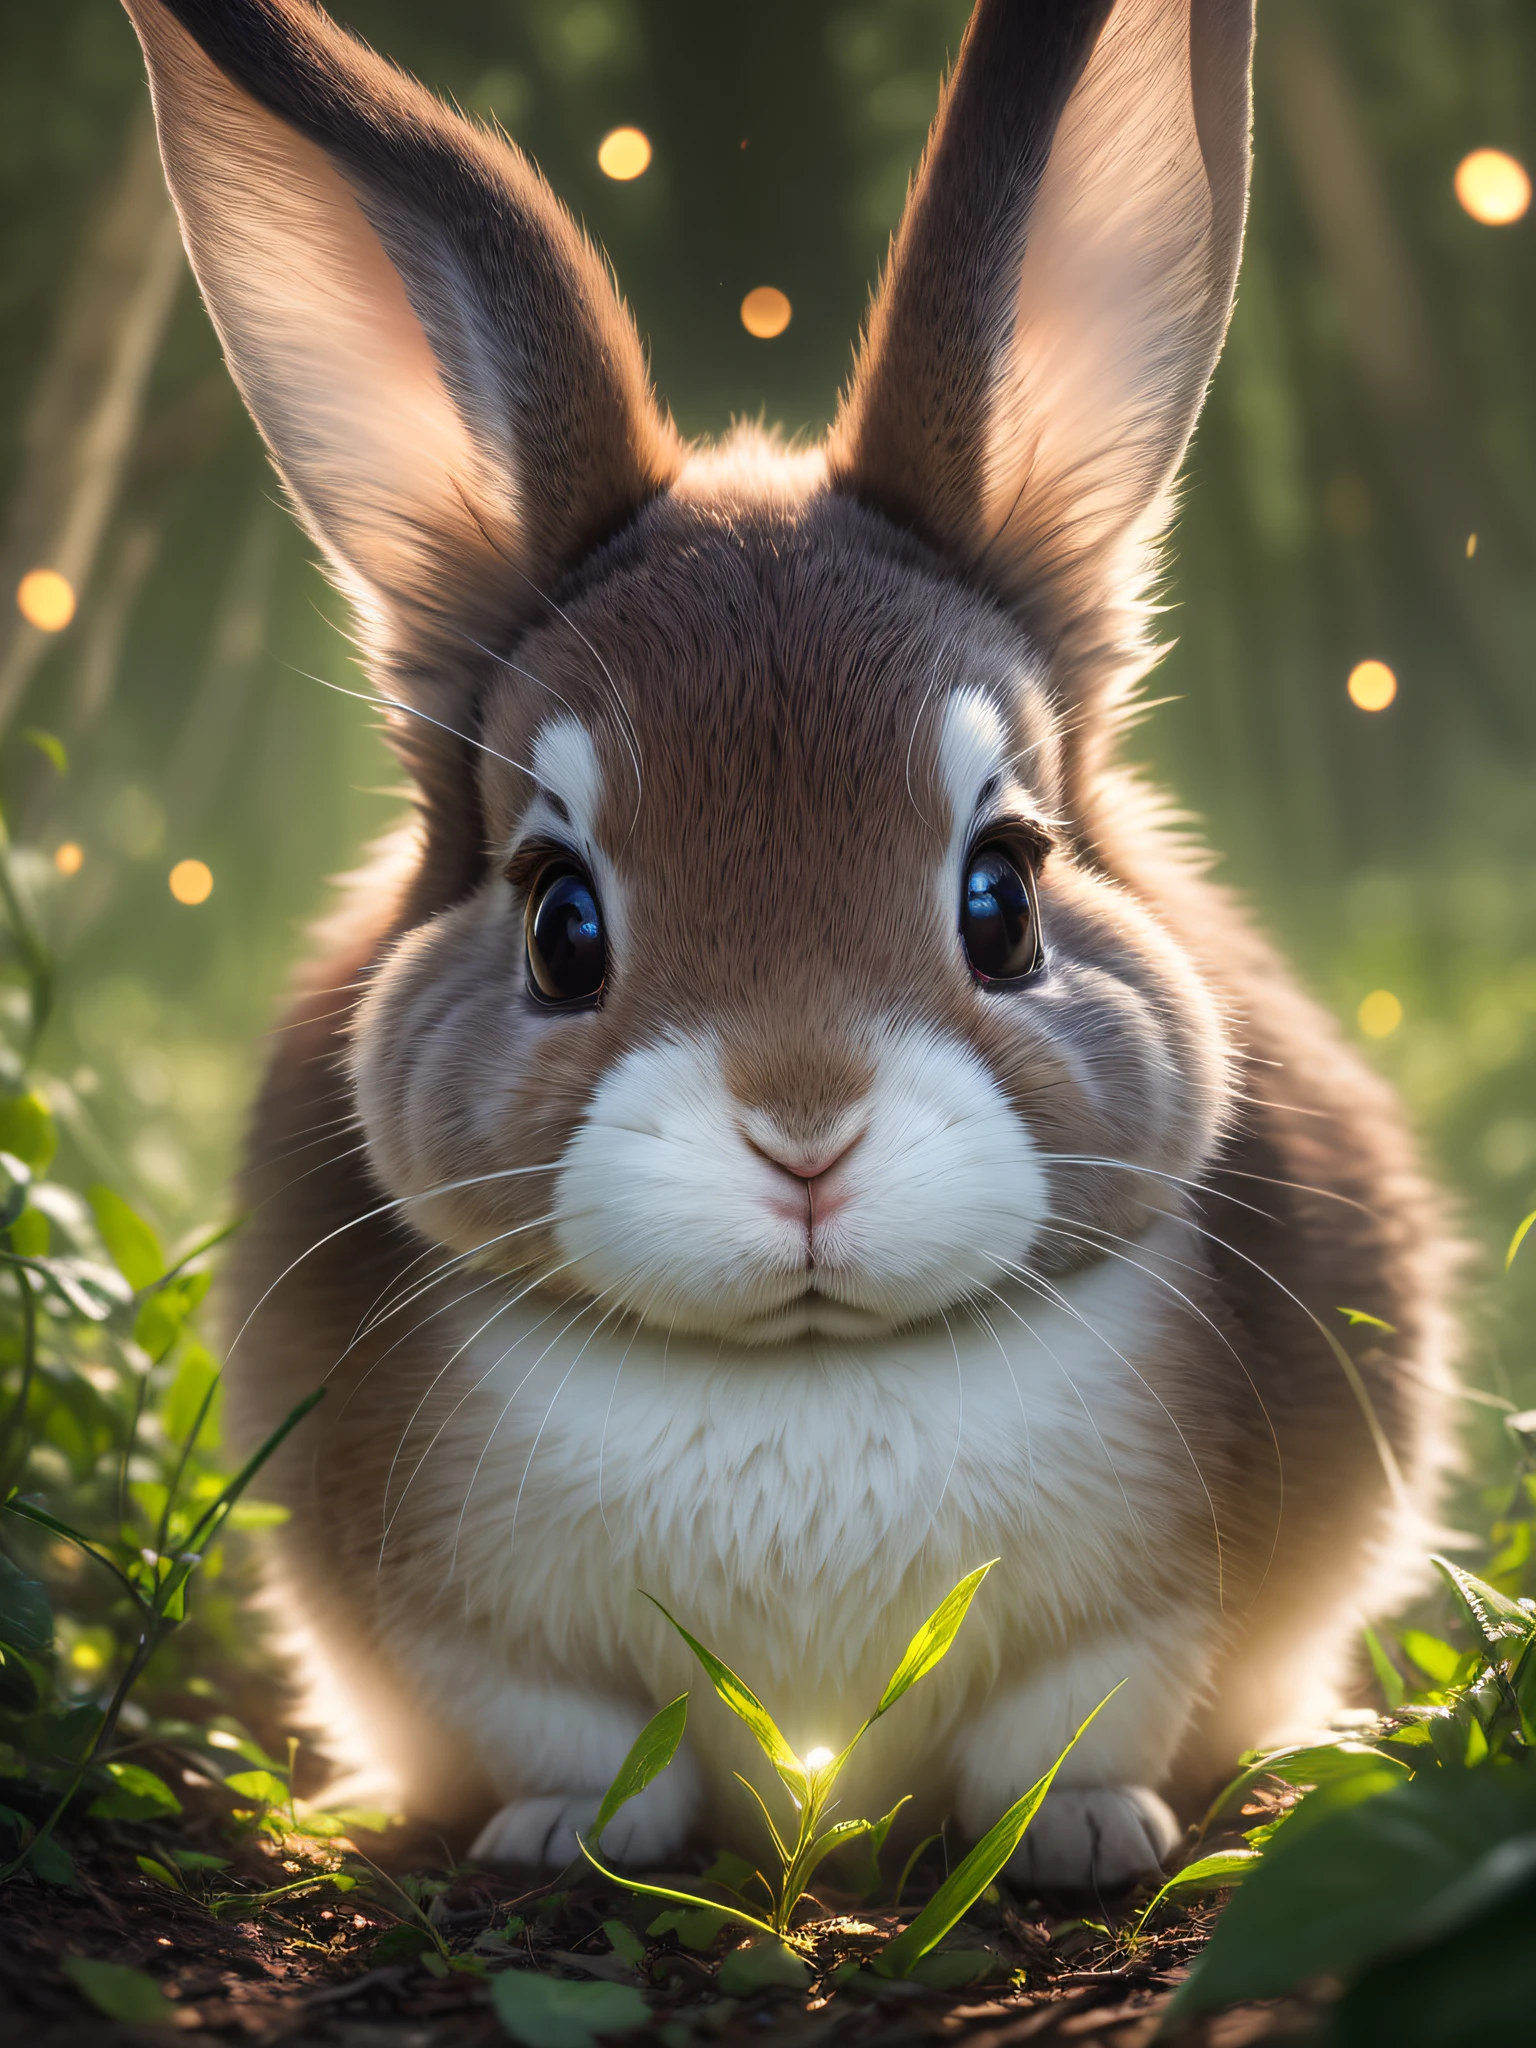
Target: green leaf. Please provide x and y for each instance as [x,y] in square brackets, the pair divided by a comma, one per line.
[1310,1765]
[1521,1234]
[1380,1873]
[31,1234]
[1226,1866]
[761,1964]
[964,1886]
[402,1944]
[654,1748]
[1388,1677]
[864,1868]
[625,1942]
[196,1374]
[1503,1626]
[262,1786]
[134,1247]
[50,1861]
[1437,1660]
[120,1993]
[743,1703]
[27,1130]
[1484,1974]
[26,1619]
[86,1289]
[163,1313]
[696,1927]
[135,1794]
[251,1515]
[731,1870]
[1330,1763]
[933,1639]
[158,1873]
[546,2012]
[47,743]
[949,1969]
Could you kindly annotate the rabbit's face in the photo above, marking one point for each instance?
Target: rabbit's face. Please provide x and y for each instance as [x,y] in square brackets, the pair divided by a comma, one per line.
[786,1002]
[775,1006]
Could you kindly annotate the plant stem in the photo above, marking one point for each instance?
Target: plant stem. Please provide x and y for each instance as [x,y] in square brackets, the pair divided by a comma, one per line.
[14,1436]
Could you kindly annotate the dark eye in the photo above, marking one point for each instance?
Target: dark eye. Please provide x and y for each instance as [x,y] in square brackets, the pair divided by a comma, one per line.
[567,954]
[999,923]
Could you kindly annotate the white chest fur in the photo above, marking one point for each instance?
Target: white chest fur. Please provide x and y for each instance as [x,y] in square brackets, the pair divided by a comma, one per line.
[800,1508]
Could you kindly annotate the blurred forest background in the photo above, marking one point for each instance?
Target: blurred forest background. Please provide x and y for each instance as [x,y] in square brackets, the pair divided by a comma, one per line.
[1375,410]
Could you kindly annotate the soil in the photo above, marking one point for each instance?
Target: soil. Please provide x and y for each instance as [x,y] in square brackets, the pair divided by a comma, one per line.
[326,1969]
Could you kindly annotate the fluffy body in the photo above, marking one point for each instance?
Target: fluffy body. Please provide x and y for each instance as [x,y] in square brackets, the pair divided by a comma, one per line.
[805,1269]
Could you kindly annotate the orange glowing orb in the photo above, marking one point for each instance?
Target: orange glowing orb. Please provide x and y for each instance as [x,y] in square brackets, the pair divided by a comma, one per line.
[766,312]
[624,154]
[191,881]
[1372,686]
[1493,187]
[45,600]
[69,858]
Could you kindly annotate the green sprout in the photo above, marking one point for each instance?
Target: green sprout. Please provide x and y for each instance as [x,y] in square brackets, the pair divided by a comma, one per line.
[808,1840]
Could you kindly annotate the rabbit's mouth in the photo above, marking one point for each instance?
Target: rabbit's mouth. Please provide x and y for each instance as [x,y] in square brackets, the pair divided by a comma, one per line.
[814,1313]
[698,1212]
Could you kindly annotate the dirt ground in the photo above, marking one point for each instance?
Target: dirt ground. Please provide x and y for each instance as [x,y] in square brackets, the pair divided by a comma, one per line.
[332,1970]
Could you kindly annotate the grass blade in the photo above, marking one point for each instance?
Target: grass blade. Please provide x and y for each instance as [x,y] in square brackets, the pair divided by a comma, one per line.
[743,1703]
[29,1513]
[1518,1239]
[661,1891]
[215,1515]
[933,1639]
[964,1886]
[654,1748]
[1225,1866]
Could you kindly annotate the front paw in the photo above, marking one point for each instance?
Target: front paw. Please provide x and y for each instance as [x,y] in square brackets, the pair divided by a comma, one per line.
[1095,1838]
[542,1832]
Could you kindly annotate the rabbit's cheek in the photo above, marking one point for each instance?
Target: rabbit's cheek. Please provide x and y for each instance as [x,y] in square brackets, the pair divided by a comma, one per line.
[702,1212]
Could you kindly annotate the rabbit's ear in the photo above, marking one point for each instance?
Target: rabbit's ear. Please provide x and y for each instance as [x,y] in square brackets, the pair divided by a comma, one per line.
[1055,302]
[450,388]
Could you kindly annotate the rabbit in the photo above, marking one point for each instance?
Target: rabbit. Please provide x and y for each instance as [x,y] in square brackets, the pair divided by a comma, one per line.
[791,1118]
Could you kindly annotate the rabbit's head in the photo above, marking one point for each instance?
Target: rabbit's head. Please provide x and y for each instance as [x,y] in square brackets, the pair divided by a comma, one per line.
[762,971]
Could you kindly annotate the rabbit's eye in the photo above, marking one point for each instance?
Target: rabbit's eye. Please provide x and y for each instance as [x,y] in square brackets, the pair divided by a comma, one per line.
[567,953]
[999,920]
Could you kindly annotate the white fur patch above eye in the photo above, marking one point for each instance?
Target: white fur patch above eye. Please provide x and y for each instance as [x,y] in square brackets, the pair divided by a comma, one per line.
[973,746]
[665,1207]
[566,764]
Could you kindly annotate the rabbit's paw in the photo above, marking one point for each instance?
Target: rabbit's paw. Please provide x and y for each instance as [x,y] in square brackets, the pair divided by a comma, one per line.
[1095,1838]
[542,1832]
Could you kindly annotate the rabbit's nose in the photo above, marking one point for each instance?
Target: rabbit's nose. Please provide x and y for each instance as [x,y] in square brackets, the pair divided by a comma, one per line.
[805,1162]
[811,1153]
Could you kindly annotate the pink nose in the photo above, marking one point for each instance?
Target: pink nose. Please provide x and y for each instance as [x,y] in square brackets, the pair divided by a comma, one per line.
[804,1162]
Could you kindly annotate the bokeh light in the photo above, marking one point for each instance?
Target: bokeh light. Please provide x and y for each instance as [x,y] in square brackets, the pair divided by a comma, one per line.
[69,858]
[1372,685]
[1380,1013]
[766,312]
[45,600]
[624,154]
[1493,187]
[191,881]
